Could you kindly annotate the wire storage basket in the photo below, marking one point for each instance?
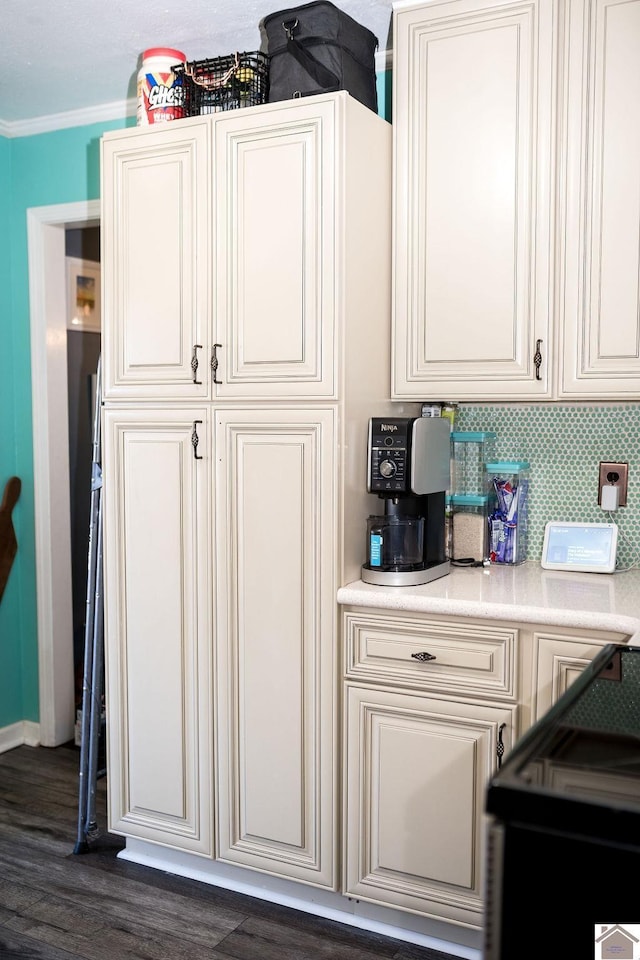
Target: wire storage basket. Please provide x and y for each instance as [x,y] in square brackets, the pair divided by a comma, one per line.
[224,83]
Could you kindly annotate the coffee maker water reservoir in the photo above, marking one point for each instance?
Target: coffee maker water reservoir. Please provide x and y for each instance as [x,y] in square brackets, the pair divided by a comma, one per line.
[408,468]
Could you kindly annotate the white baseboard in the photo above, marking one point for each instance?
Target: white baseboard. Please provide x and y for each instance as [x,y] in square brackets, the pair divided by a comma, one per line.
[24,732]
[455,940]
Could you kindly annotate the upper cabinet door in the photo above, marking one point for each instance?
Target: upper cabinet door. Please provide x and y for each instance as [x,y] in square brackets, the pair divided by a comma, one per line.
[155,200]
[275,191]
[600,301]
[473,119]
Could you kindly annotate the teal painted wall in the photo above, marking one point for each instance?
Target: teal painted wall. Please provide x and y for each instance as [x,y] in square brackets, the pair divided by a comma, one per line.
[10,607]
[383,89]
[39,170]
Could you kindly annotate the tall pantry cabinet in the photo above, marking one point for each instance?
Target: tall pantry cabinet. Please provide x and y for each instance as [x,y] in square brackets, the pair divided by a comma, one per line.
[246,265]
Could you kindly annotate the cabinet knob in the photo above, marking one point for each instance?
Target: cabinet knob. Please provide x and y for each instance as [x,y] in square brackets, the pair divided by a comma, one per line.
[423,656]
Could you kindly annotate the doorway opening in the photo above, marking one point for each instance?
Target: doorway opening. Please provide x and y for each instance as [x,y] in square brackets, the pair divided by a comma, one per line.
[46,230]
[82,247]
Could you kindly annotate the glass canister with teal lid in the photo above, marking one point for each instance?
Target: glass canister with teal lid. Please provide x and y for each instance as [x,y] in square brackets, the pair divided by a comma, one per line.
[470,451]
[470,529]
[508,490]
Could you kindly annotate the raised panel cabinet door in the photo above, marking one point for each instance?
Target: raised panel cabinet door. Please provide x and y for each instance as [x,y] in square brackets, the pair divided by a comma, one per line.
[416,770]
[600,215]
[276,619]
[155,198]
[275,240]
[157,634]
[557,662]
[473,120]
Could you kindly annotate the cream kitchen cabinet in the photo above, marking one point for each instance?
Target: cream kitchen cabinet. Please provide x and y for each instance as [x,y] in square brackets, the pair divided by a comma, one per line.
[473,118]
[276,624]
[423,735]
[557,659]
[279,269]
[517,146]
[155,188]
[158,626]
[276,220]
[223,235]
[417,767]
[600,214]
[431,704]
[259,622]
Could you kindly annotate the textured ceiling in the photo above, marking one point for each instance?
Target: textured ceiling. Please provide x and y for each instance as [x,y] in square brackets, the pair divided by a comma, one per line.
[63,55]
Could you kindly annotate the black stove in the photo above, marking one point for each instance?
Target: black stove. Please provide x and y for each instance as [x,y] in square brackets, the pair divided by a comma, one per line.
[564,835]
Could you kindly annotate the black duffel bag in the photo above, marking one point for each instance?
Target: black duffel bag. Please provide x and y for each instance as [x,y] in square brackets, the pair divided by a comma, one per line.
[316,48]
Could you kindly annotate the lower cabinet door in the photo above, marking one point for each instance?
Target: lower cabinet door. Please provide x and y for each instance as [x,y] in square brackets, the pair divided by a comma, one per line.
[276,620]
[558,661]
[416,770]
[157,626]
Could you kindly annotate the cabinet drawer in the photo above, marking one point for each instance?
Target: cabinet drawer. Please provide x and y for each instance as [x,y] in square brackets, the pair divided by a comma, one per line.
[465,658]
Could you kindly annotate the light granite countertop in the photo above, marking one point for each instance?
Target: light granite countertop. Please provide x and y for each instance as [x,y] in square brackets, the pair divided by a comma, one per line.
[524,593]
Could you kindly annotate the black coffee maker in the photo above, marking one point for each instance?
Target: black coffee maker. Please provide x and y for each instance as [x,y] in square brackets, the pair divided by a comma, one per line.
[408,467]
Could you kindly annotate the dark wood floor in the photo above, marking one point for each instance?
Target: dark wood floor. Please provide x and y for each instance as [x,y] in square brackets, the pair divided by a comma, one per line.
[55,905]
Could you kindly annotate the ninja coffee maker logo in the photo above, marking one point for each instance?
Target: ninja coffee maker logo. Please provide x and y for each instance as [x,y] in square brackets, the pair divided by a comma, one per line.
[388,427]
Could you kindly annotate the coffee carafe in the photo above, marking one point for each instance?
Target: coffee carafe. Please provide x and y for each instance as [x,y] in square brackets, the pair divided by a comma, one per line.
[408,468]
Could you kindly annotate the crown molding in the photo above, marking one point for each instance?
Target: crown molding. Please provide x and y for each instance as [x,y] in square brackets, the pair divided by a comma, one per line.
[117,110]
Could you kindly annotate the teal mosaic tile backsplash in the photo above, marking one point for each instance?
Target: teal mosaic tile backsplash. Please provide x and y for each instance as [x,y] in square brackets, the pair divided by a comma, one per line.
[564,445]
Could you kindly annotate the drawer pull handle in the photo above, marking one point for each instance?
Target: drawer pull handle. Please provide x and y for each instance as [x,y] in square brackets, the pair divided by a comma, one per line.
[423,656]
[195,362]
[215,362]
[195,440]
[537,359]
[500,745]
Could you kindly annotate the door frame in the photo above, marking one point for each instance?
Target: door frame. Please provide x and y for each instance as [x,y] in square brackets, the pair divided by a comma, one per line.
[48,324]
